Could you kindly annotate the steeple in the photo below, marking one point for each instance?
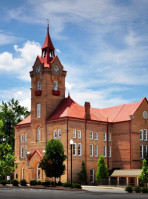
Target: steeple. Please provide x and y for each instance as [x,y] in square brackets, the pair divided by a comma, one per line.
[48,48]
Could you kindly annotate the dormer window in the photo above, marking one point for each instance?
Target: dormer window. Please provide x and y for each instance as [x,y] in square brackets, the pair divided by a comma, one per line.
[44,53]
[39,86]
[51,54]
[55,86]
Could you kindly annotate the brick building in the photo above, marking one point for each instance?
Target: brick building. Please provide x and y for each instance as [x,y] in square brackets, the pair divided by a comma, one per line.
[119,133]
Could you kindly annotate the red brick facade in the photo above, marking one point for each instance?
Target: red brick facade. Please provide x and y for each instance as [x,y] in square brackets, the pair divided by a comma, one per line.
[113,132]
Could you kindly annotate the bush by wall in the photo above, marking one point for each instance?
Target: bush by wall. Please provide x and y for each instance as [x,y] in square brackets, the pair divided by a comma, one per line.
[23,182]
[144,189]
[3,182]
[76,185]
[66,184]
[33,182]
[15,182]
[129,189]
[137,189]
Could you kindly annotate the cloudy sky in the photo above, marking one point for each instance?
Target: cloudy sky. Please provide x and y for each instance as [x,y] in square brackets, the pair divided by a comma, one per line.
[103,45]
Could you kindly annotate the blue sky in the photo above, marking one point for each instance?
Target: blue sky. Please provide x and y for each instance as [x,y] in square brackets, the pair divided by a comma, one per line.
[103,45]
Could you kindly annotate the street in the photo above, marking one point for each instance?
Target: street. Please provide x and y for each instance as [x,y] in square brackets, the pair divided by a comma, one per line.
[28,193]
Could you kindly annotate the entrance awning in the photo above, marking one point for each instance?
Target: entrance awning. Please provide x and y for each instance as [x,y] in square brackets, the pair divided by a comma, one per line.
[126,173]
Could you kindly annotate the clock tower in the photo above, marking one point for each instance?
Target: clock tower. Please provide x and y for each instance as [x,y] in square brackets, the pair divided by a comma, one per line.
[47,82]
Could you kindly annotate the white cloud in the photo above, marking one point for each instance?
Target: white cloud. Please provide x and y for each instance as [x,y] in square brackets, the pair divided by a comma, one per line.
[7,38]
[58,51]
[21,64]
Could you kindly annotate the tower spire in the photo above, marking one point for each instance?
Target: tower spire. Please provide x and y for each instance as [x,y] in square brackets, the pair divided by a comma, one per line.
[48,48]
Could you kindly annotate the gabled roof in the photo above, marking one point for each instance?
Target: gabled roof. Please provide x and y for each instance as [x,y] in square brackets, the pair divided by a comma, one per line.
[38,152]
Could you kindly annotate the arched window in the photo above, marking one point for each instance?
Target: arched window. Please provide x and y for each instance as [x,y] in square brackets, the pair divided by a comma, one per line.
[38,173]
[39,86]
[38,134]
[55,86]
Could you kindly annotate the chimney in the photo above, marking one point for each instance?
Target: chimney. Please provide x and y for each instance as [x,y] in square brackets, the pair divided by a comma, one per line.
[87,110]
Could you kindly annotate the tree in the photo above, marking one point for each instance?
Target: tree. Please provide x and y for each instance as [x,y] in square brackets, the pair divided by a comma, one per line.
[144,173]
[11,113]
[6,157]
[83,175]
[102,170]
[52,162]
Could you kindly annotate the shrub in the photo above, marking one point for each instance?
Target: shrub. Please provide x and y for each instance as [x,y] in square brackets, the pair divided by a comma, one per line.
[66,184]
[129,189]
[145,190]
[39,182]
[59,184]
[137,189]
[4,182]
[42,183]
[76,185]
[15,182]
[33,182]
[23,182]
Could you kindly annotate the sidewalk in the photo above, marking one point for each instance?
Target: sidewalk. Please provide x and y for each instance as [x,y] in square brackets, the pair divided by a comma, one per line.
[109,189]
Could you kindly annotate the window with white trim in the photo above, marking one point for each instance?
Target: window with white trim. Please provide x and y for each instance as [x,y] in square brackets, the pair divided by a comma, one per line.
[145,151]
[96,150]
[79,149]
[38,134]
[38,173]
[74,133]
[22,138]
[145,134]
[55,85]
[38,110]
[141,151]
[91,175]
[25,151]
[104,136]
[79,134]
[59,133]
[55,133]
[22,151]
[39,86]
[25,137]
[109,137]
[105,151]
[91,135]
[74,149]
[109,151]
[23,172]
[96,136]
[91,150]
[141,135]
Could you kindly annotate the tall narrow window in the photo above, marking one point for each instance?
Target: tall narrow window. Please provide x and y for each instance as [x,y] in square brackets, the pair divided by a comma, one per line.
[22,152]
[91,175]
[79,134]
[25,137]
[104,137]
[104,151]
[38,174]
[96,136]
[23,173]
[59,133]
[109,151]
[38,110]
[79,149]
[55,133]
[25,151]
[96,150]
[141,134]
[109,137]
[145,134]
[91,150]
[145,151]
[38,134]
[91,135]
[141,151]
[74,149]
[22,138]
[39,86]
[55,85]
[74,133]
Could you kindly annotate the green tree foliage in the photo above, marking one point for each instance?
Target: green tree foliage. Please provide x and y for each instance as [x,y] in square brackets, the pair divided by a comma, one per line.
[11,113]
[83,175]
[102,170]
[53,160]
[144,173]
[6,157]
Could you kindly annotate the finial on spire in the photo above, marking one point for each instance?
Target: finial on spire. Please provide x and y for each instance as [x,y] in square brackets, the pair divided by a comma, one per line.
[47,25]
[68,94]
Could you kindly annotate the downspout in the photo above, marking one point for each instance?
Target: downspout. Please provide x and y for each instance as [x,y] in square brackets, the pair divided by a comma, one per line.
[67,148]
[85,145]
[130,143]
[107,146]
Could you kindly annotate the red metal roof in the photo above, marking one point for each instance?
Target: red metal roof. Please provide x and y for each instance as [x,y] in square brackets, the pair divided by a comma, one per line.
[48,42]
[69,108]
[38,152]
